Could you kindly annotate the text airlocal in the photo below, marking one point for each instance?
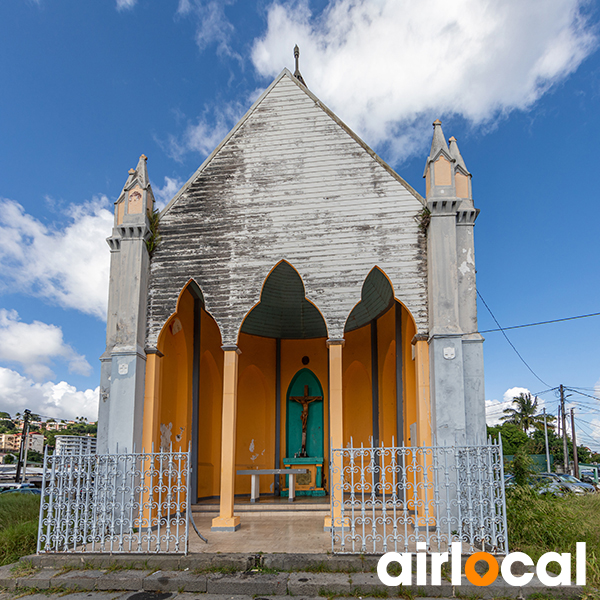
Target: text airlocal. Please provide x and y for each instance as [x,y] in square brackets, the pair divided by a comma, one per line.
[437,559]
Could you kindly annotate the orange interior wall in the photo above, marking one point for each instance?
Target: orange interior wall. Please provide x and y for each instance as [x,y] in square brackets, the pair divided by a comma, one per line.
[292,352]
[409,375]
[386,342]
[176,381]
[210,407]
[255,431]
[357,392]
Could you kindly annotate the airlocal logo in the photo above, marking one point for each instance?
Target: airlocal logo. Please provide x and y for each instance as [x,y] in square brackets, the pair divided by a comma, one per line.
[439,558]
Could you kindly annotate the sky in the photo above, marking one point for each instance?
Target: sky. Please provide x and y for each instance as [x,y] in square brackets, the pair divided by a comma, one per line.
[87,87]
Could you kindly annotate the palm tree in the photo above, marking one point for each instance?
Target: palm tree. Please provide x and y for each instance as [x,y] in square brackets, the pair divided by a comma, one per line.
[524,415]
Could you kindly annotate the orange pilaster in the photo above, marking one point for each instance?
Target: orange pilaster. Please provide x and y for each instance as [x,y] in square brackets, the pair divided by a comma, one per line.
[227,521]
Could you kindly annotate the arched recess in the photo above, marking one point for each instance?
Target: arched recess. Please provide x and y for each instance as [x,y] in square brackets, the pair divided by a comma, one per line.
[184,388]
[283,329]
[378,361]
[283,310]
[304,383]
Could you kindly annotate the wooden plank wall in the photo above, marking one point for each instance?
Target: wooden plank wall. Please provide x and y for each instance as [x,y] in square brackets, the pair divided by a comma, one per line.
[290,183]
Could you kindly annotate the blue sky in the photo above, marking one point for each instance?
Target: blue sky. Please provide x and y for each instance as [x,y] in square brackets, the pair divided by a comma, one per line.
[89,86]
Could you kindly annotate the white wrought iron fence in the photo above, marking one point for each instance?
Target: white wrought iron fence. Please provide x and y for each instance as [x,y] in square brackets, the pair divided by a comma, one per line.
[134,503]
[389,498]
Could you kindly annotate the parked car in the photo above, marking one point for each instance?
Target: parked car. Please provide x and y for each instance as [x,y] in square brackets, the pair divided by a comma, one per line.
[588,477]
[588,487]
[548,483]
[28,490]
[542,483]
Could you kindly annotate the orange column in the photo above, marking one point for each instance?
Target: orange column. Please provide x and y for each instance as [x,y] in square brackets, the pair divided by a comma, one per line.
[426,508]
[336,427]
[151,402]
[226,521]
[423,402]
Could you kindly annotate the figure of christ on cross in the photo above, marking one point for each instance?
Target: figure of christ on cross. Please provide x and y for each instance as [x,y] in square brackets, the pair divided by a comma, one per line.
[305,401]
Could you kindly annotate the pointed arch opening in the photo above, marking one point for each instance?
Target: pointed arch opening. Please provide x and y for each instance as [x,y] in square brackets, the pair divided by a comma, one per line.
[283,310]
[282,335]
[184,382]
[379,366]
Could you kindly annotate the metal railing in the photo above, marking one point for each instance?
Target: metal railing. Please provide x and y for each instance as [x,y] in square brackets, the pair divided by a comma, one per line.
[389,498]
[134,503]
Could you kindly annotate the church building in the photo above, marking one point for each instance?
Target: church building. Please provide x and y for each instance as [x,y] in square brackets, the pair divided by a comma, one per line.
[294,296]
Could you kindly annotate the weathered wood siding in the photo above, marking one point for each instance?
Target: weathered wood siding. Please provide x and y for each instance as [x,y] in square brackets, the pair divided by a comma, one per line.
[290,183]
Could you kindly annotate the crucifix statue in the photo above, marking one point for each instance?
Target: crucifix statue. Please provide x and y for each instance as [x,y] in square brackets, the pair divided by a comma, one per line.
[305,401]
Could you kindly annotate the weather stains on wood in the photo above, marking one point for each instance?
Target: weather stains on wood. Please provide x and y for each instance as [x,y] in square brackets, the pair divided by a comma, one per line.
[291,182]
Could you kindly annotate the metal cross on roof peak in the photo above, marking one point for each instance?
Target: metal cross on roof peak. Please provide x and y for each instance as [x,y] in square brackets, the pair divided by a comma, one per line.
[297,74]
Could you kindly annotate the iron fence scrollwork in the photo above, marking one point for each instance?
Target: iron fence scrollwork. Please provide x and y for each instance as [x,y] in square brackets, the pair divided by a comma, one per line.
[115,503]
[389,498]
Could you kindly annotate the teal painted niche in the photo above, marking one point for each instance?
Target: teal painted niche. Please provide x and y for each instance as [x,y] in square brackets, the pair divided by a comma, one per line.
[314,424]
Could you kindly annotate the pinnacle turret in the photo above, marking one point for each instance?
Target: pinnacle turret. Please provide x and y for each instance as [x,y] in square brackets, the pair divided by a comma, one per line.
[136,198]
[456,155]
[438,142]
[439,176]
[462,177]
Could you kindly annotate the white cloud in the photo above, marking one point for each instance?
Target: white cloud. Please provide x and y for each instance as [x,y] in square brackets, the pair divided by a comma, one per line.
[204,135]
[57,400]
[68,266]
[212,25]
[35,346]
[126,4]
[162,195]
[386,66]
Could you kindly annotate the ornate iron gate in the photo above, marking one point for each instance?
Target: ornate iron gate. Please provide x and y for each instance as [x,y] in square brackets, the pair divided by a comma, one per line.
[389,498]
[133,503]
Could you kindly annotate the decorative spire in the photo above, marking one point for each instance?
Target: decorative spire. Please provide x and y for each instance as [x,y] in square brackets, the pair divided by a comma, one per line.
[456,155]
[142,171]
[438,142]
[462,177]
[297,74]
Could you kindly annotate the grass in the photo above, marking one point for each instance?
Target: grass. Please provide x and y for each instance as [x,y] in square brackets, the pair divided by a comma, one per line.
[543,523]
[19,515]
[23,568]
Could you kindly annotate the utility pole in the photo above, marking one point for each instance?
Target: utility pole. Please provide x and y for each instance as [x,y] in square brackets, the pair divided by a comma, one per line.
[564,428]
[575,457]
[23,446]
[547,449]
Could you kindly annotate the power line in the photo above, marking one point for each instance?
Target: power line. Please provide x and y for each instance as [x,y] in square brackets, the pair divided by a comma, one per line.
[582,394]
[511,344]
[537,323]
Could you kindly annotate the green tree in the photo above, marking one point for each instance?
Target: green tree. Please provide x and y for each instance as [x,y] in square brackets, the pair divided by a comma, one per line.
[513,438]
[524,414]
[4,415]
[7,426]
[521,467]
[33,456]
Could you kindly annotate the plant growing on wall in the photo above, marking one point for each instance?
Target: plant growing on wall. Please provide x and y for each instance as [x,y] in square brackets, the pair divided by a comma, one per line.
[154,239]
[423,218]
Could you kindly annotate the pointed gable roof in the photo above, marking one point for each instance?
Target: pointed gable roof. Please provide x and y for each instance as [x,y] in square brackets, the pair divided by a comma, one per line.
[302,89]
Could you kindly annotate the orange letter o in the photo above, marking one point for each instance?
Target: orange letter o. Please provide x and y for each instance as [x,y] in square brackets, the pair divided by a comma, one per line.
[473,576]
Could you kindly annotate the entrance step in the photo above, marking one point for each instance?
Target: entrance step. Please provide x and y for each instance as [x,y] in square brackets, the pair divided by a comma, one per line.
[315,509]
